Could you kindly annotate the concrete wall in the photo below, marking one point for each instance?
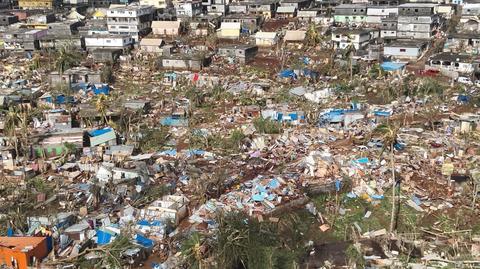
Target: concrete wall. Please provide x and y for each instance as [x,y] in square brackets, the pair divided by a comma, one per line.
[414,35]
[399,52]
[416,19]
[349,19]
[414,27]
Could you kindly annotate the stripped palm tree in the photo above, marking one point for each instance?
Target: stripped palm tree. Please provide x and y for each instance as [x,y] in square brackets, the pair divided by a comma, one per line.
[102,105]
[389,133]
[12,121]
[348,53]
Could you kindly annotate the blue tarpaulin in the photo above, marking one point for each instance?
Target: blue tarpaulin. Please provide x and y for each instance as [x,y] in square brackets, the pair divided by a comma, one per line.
[100,131]
[103,238]
[380,113]
[463,98]
[148,243]
[169,152]
[389,66]
[101,89]
[288,73]
[174,121]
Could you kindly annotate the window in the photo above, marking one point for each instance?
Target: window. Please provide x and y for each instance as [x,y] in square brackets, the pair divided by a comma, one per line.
[108,41]
[403,50]
[416,10]
[392,32]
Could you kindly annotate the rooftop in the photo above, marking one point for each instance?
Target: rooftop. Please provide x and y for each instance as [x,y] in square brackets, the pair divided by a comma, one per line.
[236,46]
[351,6]
[418,5]
[454,57]
[407,43]
[21,243]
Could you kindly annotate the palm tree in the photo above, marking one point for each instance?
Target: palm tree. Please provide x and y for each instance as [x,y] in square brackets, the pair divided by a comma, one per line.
[388,133]
[348,53]
[193,250]
[12,120]
[312,37]
[66,58]
[102,105]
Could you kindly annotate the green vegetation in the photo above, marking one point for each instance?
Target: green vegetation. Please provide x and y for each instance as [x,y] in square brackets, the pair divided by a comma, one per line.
[354,257]
[153,139]
[245,242]
[267,126]
[229,144]
[66,57]
[109,256]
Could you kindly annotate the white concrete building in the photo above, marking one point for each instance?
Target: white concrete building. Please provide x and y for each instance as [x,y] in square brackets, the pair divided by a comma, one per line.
[405,49]
[156,3]
[131,20]
[359,38]
[375,14]
[108,42]
[189,8]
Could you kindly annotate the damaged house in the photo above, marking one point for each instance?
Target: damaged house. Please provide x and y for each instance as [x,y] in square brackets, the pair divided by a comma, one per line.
[240,53]
[459,63]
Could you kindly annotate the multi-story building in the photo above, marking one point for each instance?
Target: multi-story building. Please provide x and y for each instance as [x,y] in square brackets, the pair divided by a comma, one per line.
[160,4]
[375,14]
[188,8]
[38,4]
[219,7]
[342,38]
[350,13]
[107,3]
[388,27]
[417,21]
[131,20]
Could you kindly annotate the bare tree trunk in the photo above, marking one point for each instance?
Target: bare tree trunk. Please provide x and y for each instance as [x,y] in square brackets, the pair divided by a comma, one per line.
[394,202]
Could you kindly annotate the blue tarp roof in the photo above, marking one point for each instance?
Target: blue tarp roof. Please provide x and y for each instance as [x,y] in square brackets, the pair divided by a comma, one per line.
[103,238]
[171,121]
[100,131]
[390,66]
[288,73]
[380,113]
[148,243]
